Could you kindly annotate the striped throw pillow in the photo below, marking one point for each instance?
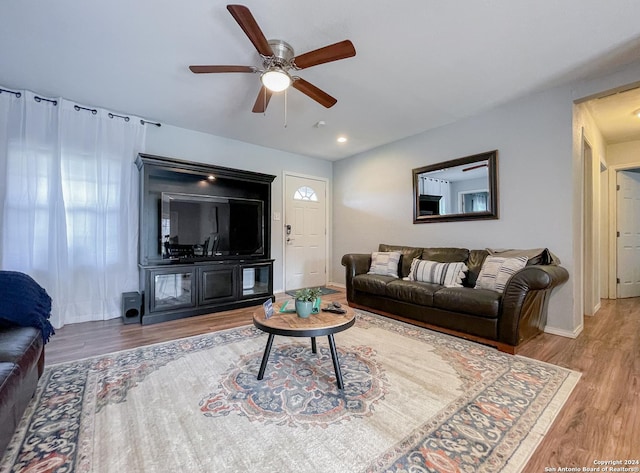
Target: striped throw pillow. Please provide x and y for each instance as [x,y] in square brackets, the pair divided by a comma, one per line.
[385,263]
[496,272]
[445,274]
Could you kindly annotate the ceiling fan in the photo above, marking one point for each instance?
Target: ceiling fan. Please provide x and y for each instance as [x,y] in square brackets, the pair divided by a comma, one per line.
[478,166]
[278,61]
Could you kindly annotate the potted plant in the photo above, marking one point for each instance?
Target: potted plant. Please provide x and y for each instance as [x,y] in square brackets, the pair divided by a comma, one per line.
[305,299]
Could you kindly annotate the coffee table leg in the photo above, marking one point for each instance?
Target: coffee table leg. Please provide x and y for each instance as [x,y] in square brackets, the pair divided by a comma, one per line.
[314,349]
[265,357]
[336,364]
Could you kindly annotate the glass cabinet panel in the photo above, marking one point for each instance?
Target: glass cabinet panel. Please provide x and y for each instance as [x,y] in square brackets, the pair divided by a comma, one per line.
[172,290]
[256,280]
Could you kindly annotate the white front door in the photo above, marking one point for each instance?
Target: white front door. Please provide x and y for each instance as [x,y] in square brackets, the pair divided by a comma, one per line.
[628,218]
[305,232]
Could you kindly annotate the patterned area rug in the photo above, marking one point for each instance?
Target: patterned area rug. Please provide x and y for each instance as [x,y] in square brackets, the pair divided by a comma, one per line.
[414,400]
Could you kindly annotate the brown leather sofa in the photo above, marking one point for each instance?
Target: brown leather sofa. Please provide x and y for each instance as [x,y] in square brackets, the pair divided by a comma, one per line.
[21,365]
[504,320]
[24,329]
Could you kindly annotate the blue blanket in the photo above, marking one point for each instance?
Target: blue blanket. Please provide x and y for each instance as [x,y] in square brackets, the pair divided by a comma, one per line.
[24,302]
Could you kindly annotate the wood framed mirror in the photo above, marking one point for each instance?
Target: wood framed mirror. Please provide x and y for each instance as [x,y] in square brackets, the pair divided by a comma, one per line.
[456,190]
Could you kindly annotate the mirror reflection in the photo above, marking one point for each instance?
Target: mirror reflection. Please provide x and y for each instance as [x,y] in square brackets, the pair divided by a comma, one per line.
[460,189]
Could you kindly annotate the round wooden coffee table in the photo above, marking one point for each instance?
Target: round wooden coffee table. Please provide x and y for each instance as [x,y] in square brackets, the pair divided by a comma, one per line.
[316,325]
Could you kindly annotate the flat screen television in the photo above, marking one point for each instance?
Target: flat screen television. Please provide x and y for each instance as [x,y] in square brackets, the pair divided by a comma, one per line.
[201,226]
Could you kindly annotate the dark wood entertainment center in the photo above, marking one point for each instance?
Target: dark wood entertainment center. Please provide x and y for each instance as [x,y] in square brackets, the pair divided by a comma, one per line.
[225,262]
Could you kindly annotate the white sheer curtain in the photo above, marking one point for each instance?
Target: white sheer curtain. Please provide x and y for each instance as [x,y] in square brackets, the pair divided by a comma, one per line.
[431,186]
[69,202]
[479,202]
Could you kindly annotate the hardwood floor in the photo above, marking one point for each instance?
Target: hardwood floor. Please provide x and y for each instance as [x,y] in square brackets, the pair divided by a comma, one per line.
[77,341]
[600,421]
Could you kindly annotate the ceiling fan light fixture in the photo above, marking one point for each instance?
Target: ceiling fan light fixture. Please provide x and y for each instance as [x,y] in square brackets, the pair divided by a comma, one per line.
[276,79]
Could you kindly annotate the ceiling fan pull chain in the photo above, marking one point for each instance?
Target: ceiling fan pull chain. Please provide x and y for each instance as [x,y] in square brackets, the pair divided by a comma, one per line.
[285,108]
[264,109]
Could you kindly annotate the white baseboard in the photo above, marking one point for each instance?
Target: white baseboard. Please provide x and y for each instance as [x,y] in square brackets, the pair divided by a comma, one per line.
[564,333]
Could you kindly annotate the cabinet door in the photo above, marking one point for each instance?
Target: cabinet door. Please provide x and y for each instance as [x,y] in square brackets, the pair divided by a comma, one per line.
[171,289]
[257,280]
[217,284]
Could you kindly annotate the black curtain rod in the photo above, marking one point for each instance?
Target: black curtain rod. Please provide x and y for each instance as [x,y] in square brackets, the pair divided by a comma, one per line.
[92,110]
[78,108]
[17,94]
[113,115]
[40,99]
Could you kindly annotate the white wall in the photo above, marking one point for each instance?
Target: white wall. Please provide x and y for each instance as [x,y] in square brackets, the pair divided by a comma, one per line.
[195,146]
[373,190]
[625,154]
[539,144]
[539,173]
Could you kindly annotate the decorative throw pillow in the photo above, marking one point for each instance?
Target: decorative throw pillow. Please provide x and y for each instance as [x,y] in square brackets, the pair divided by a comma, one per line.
[445,274]
[385,263]
[497,270]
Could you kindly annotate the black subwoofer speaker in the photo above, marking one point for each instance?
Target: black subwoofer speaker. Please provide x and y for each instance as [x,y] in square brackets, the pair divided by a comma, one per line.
[131,307]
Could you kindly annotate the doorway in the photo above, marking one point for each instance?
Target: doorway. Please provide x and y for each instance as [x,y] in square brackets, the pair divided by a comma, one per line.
[305,232]
[614,144]
[628,233]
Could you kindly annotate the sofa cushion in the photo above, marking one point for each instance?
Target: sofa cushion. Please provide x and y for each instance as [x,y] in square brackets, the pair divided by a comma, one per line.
[385,263]
[474,265]
[496,272]
[415,292]
[408,254]
[372,283]
[445,274]
[480,302]
[445,255]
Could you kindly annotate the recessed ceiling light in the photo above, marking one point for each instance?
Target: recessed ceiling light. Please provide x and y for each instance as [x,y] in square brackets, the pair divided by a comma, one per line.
[342,139]
[211,177]
[637,113]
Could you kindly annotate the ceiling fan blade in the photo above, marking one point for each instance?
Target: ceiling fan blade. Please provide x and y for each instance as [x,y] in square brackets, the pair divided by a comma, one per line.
[313,92]
[483,165]
[333,52]
[210,69]
[262,101]
[250,27]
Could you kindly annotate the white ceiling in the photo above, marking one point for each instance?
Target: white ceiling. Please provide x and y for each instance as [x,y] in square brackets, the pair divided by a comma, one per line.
[614,115]
[420,63]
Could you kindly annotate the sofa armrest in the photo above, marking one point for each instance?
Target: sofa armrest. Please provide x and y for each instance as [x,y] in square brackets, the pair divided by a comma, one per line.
[525,301]
[355,263]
